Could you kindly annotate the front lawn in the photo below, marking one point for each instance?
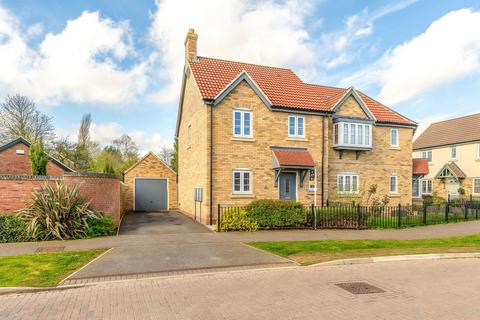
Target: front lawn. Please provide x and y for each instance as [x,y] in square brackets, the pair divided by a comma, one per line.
[309,252]
[42,269]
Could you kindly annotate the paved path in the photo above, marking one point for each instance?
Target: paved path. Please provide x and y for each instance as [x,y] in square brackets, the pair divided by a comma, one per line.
[442,289]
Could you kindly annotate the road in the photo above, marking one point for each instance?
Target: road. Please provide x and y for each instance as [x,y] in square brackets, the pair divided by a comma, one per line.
[427,289]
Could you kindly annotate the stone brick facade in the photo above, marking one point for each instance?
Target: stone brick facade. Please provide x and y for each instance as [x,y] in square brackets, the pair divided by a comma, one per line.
[19,164]
[150,167]
[270,128]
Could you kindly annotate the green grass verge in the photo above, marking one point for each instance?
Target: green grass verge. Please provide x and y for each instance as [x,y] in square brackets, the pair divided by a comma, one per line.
[42,269]
[308,252]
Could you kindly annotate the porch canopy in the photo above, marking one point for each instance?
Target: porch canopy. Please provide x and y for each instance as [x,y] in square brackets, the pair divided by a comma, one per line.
[285,158]
[419,168]
[451,170]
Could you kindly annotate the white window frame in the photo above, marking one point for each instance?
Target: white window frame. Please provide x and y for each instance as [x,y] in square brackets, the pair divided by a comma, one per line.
[347,134]
[478,151]
[295,128]
[452,148]
[242,123]
[473,187]
[242,173]
[427,183]
[425,155]
[394,143]
[395,191]
[343,177]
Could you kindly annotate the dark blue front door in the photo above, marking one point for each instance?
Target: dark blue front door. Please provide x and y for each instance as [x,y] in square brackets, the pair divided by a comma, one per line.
[288,186]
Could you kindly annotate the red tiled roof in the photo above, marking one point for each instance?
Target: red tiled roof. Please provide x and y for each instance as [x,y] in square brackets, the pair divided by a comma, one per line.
[294,157]
[456,170]
[282,87]
[420,166]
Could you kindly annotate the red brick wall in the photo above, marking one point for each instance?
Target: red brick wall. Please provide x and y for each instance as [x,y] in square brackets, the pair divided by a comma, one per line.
[103,192]
[14,193]
[19,164]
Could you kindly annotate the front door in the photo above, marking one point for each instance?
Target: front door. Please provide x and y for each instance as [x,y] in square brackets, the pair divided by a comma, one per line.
[453,189]
[288,186]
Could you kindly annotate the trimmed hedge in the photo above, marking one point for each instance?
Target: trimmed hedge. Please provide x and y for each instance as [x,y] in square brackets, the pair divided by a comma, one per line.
[237,220]
[271,214]
[12,229]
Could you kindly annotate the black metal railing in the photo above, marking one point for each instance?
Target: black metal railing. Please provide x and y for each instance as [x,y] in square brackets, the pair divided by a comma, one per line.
[350,216]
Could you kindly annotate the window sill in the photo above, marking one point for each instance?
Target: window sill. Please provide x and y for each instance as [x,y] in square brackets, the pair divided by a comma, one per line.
[394,195]
[242,196]
[395,148]
[348,195]
[242,139]
[296,139]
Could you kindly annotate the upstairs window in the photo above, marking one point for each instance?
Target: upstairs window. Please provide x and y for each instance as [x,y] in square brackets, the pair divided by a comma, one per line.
[476,186]
[394,137]
[347,183]
[296,126]
[427,155]
[352,135]
[453,153]
[242,123]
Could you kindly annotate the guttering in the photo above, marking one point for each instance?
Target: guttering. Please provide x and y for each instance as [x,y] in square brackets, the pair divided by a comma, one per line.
[211,165]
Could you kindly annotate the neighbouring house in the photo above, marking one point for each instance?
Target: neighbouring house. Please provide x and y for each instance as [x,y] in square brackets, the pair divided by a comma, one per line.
[150,185]
[249,132]
[452,150]
[14,160]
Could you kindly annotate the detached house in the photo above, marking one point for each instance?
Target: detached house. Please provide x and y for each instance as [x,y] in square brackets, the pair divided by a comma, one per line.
[452,150]
[249,132]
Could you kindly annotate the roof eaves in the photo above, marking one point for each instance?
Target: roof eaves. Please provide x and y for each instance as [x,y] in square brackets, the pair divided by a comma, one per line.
[235,82]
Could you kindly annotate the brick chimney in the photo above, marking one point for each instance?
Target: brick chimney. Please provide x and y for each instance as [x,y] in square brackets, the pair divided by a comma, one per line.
[191,45]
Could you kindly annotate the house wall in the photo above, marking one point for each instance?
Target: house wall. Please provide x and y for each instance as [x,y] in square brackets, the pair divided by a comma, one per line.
[376,166]
[102,191]
[193,157]
[351,108]
[269,129]
[19,164]
[150,167]
[467,160]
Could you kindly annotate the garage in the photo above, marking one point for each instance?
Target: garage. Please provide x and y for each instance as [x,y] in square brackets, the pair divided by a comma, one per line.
[151,194]
[150,185]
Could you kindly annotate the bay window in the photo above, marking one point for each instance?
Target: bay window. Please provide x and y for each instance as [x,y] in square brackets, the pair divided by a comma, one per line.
[352,135]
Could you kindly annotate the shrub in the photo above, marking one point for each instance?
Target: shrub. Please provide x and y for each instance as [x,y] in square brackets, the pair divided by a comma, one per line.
[38,159]
[237,220]
[12,229]
[277,213]
[100,226]
[57,213]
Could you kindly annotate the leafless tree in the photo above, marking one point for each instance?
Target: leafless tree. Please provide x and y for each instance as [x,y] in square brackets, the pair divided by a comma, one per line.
[20,117]
[166,154]
[84,130]
[127,147]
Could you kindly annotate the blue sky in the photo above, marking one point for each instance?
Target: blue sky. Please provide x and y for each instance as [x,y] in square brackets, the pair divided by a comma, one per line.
[121,60]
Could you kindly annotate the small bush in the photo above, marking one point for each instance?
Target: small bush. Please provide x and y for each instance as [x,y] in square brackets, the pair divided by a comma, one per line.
[12,229]
[270,214]
[100,226]
[57,213]
[237,220]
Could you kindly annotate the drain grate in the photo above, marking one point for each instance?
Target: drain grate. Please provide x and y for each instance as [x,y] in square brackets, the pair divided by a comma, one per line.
[359,287]
[50,249]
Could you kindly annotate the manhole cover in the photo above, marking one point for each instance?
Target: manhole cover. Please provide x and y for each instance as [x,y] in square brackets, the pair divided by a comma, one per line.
[50,249]
[359,287]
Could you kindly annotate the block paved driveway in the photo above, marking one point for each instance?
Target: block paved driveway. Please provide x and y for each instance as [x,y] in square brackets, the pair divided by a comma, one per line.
[428,289]
[191,246]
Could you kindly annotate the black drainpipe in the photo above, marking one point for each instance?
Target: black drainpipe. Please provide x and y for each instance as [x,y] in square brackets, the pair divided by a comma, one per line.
[211,164]
[323,159]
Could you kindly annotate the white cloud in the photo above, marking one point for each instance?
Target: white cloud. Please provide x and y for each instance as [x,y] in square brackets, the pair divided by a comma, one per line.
[356,27]
[79,64]
[448,50]
[34,30]
[254,31]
